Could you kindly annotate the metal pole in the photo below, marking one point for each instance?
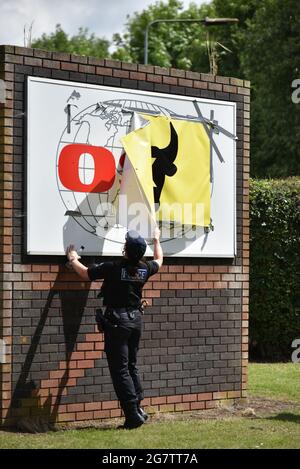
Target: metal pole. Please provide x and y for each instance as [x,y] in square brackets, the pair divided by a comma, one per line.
[206,21]
[146,43]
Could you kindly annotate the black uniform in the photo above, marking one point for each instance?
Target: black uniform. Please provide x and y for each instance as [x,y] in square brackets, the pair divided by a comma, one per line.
[122,295]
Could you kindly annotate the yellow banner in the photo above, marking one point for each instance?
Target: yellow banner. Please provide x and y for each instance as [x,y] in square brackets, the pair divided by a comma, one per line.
[171,159]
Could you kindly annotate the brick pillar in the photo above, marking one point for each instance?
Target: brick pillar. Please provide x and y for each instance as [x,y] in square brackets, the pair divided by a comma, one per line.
[6,228]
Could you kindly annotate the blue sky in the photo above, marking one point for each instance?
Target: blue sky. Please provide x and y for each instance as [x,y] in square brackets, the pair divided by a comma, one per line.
[103,17]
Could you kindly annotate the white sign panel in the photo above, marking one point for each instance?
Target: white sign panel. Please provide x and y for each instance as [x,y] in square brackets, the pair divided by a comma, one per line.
[65,206]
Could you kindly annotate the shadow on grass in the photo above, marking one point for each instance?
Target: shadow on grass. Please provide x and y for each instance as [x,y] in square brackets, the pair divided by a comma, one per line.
[286,417]
[56,429]
[88,427]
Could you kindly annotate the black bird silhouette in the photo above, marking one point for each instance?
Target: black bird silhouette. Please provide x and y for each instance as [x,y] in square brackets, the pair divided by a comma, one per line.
[163,165]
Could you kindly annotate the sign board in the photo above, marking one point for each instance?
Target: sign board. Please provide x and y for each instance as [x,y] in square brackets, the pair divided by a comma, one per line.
[75,166]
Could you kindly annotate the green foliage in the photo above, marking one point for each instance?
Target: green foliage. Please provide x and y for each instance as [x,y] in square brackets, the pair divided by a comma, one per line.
[179,45]
[274,267]
[271,61]
[81,44]
[234,36]
[183,45]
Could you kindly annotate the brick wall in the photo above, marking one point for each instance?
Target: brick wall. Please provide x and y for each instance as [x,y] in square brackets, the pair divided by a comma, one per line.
[195,345]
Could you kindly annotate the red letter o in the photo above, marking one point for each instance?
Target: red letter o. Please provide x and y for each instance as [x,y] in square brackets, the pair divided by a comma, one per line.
[68,168]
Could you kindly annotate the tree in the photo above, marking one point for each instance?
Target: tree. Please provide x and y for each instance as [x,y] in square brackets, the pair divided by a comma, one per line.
[234,36]
[184,45]
[179,45]
[271,61]
[82,43]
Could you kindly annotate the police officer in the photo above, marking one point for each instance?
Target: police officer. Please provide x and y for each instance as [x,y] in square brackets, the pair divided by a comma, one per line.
[122,286]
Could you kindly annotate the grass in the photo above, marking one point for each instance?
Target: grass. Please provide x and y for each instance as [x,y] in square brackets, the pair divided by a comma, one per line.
[279,429]
[275,380]
[229,433]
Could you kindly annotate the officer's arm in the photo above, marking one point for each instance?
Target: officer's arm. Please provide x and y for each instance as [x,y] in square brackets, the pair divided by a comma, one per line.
[79,268]
[158,252]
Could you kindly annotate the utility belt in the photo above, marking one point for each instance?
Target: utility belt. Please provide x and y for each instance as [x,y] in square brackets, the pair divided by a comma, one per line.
[112,316]
[118,313]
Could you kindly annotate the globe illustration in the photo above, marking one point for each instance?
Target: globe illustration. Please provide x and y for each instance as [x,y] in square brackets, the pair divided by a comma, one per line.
[100,124]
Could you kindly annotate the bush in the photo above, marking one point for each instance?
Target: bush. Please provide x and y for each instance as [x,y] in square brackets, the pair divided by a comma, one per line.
[274,267]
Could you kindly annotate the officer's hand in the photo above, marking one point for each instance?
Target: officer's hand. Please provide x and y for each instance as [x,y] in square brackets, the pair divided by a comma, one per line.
[156,234]
[72,253]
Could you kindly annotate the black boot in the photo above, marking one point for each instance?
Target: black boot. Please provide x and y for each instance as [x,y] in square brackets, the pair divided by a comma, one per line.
[142,412]
[132,417]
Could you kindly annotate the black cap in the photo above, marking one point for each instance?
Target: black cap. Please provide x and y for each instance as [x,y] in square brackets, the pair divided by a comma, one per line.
[135,245]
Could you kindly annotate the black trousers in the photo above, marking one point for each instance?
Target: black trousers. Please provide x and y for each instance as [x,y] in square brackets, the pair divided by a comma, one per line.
[122,337]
